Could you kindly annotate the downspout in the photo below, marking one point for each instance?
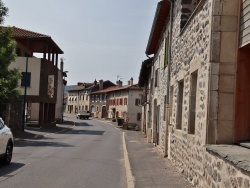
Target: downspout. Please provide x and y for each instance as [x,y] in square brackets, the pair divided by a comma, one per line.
[168,79]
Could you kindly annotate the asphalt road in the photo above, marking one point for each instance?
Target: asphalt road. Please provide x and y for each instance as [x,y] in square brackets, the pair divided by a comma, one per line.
[90,155]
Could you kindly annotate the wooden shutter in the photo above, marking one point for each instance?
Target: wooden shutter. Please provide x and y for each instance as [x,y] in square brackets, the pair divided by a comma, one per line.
[136,102]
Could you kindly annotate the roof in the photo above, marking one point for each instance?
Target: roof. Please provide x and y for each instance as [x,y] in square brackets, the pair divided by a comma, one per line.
[106,84]
[161,17]
[145,71]
[116,88]
[76,88]
[38,42]
[81,87]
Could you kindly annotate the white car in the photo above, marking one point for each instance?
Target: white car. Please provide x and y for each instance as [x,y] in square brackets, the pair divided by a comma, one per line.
[6,143]
[83,114]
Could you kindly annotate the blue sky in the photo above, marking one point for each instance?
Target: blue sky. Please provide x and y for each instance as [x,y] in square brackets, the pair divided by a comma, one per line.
[100,39]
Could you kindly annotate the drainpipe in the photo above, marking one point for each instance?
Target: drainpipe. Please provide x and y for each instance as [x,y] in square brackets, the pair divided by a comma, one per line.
[168,71]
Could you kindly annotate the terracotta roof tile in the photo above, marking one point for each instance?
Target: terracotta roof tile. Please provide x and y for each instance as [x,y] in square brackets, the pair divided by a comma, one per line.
[116,88]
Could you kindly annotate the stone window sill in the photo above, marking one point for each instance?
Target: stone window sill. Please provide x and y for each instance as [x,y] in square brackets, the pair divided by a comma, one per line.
[237,155]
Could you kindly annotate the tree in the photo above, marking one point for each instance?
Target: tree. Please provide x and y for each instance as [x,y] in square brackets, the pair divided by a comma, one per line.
[8,77]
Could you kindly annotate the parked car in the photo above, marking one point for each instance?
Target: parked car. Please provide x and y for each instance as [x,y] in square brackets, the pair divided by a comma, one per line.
[6,143]
[83,114]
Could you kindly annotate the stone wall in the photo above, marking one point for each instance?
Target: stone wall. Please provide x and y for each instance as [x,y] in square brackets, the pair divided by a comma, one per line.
[221,173]
[158,95]
[190,53]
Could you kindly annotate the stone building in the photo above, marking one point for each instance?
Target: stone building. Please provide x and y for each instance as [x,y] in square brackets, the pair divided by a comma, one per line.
[207,108]
[158,46]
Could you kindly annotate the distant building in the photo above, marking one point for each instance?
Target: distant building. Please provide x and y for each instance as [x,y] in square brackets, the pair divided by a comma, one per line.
[125,102]
[79,96]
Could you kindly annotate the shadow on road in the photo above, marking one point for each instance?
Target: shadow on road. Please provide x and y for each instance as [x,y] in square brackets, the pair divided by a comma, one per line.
[6,170]
[86,132]
[66,122]
[82,124]
[40,143]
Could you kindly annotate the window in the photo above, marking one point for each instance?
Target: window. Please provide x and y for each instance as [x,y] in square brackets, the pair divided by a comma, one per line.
[83,97]
[165,60]
[165,106]
[125,101]
[138,116]
[18,51]
[187,10]
[117,101]
[80,97]
[26,78]
[179,104]
[156,78]
[121,102]
[136,102]
[193,89]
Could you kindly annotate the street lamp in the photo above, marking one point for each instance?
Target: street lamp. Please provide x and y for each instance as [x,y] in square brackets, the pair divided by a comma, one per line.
[25,79]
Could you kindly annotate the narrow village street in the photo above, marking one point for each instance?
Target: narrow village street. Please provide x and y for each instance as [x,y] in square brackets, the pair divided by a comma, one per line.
[87,153]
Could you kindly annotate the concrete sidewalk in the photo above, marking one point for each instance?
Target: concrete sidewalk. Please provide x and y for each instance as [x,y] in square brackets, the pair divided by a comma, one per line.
[149,169]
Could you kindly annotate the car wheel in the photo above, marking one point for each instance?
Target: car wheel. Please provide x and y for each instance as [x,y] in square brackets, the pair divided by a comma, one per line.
[8,154]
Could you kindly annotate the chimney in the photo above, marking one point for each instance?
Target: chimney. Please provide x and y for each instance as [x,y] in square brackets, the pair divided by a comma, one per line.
[100,84]
[79,83]
[95,82]
[131,81]
[119,83]
[61,65]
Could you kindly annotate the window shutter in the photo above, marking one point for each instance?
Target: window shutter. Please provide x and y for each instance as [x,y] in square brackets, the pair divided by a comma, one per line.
[166,51]
[136,102]
[163,54]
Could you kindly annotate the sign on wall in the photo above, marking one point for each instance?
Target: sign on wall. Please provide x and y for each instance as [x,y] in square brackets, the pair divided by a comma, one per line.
[51,86]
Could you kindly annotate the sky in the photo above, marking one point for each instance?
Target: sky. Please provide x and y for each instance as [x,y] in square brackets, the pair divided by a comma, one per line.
[104,39]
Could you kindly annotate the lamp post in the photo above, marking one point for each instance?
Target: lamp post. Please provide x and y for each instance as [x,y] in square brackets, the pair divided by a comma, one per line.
[25,78]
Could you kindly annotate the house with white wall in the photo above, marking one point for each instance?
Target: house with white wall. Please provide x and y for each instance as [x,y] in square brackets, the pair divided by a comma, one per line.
[41,83]
[78,98]
[124,101]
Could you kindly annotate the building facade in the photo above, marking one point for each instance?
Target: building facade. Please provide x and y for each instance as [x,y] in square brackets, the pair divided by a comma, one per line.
[206,108]
[124,101]
[41,83]
[78,98]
